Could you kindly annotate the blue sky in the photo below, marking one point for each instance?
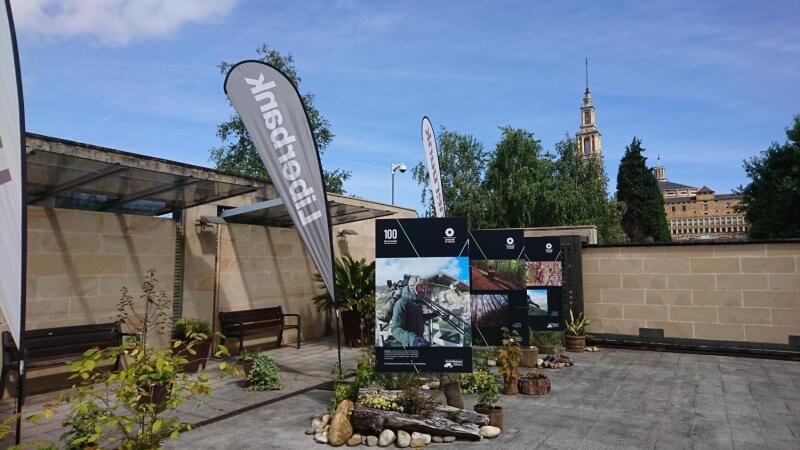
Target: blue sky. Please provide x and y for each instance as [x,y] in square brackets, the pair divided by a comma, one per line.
[705,84]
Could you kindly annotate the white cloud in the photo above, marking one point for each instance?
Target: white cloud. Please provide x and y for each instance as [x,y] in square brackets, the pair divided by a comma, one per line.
[114,22]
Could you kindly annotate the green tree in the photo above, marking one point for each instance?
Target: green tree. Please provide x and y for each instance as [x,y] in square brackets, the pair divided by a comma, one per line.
[462,165]
[519,179]
[582,194]
[771,201]
[644,219]
[237,153]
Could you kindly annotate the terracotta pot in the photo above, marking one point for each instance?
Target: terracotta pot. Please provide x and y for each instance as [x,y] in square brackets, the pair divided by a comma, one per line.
[529,357]
[351,327]
[201,349]
[510,386]
[551,350]
[452,392]
[576,343]
[495,414]
[539,386]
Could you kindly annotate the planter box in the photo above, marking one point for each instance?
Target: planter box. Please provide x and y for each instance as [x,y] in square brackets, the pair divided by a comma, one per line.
[576,343]
[201,349]
[540,386]
[495,414]
[529,357]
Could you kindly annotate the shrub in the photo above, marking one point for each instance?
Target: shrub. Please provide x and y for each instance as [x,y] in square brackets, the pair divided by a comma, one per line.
[265,375]
[486,386]
[190,328]
[375,399]
[509,355]
[577,326]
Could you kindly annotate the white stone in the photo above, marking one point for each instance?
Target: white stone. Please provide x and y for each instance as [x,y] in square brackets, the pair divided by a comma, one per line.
[437,439]
[326,419]
[386,438]
[425,387]
[311,430]
[424,436]
[316,423]
[489,431]
[372,441]
[403,439]
[449,439]
[322,438]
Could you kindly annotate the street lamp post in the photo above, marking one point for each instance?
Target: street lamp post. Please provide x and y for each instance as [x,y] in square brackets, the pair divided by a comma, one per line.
[395,167]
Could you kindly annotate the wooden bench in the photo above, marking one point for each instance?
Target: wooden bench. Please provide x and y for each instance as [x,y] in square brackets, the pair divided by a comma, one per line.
[252,322]
[58,345]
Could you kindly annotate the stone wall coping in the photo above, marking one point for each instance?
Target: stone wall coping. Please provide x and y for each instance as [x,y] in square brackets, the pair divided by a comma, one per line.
[694,243]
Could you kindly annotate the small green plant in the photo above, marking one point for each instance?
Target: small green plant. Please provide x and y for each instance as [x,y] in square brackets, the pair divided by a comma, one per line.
[536,375]
[190,328]
[246,356]
[577,326]
[265,375]
[374,399]
[399,381]
[486,386]
[509,356]
[415,401]
[547,338]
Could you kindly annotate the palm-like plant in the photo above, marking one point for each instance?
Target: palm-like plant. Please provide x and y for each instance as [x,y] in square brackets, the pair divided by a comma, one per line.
[355,290]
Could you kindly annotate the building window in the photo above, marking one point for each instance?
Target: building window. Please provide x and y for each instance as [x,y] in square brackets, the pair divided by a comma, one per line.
[673,209]
[587,146]
[587,117]
[683,208]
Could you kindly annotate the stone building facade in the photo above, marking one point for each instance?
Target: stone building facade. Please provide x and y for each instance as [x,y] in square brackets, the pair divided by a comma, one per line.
[699,213]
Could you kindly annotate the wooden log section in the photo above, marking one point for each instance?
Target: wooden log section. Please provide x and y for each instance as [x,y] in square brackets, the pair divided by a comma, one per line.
[373,421]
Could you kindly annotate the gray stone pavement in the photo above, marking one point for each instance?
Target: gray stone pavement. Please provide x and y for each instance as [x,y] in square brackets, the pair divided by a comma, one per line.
[611,399]
[301,369]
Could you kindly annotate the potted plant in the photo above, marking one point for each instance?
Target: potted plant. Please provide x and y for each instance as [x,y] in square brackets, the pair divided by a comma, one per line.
[192,340]
[534,383]
[508,359]
[133,408]
[487,388]
[245,359]
[549,342]
[264,375]
[576,332]
[355,296]
[530,355]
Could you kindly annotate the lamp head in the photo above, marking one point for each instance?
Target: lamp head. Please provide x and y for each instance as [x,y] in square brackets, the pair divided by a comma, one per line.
[399,167]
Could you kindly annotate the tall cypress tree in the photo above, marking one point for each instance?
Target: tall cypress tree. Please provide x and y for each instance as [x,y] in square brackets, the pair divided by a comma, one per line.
[644,219]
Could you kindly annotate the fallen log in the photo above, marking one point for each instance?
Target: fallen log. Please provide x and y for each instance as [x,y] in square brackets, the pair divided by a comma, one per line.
[461,415]
[373,421]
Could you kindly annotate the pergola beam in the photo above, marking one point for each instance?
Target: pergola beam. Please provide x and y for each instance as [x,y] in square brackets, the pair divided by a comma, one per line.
[148,192]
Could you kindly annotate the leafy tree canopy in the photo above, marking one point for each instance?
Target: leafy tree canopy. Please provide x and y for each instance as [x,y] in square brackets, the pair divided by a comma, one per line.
[771,202]
[237,153]
[644,219]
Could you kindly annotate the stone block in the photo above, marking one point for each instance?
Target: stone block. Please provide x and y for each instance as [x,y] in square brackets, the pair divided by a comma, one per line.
[72,243]
[740,250]
[755,316]
[60,286]
[691,251]
[772,264]
[645,312]
[674,329]
[783,249]
[644,281]
[618,326]
[769,333]
[635,265]
[667,265]
[602,252]
[668,297]
[691,281]
[716,298]
[706,314]
[772,299]
[789,317]
[50,219]
[784,282]
[591,265]
[592,295]
[721,332]
[602,311]
[715,265]
[623,296]
[598,281]
[741,282]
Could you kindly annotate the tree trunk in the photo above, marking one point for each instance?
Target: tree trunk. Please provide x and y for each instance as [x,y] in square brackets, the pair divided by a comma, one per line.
[373,421]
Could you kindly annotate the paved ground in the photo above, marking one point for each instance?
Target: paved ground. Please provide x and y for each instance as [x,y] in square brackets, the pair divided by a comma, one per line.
[611,399]
[302,369]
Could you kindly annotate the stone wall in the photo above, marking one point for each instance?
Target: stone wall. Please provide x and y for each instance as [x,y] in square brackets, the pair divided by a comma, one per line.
[742,292]
[79,260]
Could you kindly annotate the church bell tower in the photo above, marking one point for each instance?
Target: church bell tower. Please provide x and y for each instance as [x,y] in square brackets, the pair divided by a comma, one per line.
[588,137]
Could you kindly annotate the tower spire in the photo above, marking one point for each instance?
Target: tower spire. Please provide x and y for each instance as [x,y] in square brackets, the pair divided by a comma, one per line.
[586,61]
